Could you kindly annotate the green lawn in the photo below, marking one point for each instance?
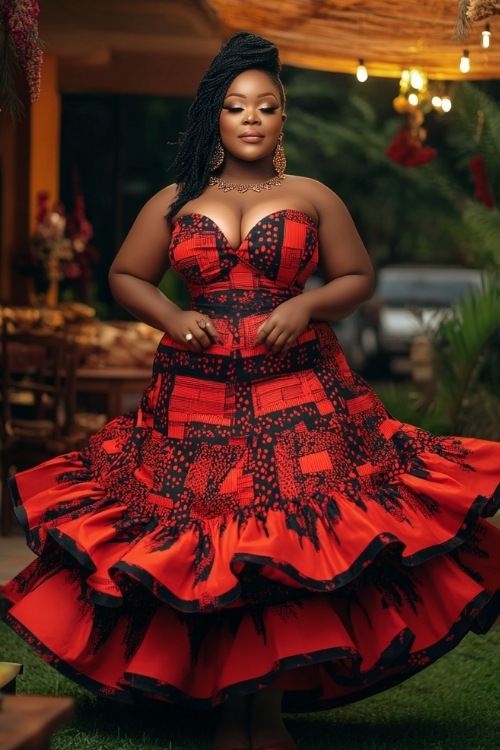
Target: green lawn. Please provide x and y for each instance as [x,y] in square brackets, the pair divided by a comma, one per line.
[452,705]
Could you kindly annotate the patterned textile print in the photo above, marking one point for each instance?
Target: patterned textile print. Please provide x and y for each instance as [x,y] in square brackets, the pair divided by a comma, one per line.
[256,504]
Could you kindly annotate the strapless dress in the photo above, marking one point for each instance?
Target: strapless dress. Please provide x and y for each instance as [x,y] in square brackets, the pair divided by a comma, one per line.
[257,520]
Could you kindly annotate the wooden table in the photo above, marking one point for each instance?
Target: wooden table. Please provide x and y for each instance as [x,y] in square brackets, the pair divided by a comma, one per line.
[27,722]
[116,383]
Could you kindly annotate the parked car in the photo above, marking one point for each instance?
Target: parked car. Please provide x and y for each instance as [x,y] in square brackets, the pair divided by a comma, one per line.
[408,301]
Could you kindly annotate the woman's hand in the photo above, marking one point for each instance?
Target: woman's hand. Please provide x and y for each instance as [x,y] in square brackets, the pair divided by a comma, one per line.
[284,325]
[193,329]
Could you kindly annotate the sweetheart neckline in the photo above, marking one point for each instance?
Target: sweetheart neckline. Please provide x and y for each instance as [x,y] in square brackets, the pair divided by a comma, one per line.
[243,240]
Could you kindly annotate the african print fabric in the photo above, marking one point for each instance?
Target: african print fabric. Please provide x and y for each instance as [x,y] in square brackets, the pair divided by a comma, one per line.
[258,520]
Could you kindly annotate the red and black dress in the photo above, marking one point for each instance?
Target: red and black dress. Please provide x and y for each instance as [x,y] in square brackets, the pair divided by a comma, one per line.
[258,520]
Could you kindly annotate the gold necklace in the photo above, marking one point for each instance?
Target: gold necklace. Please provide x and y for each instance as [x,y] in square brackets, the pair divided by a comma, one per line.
[256,187]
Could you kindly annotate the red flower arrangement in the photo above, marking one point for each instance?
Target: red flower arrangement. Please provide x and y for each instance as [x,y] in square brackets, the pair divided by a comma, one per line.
[20,47]
[407,147]
[61,258]
[482,191]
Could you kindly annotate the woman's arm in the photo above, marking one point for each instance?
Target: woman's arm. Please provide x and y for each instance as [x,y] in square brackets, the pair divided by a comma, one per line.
[142,262]
[138,268]
[343,261]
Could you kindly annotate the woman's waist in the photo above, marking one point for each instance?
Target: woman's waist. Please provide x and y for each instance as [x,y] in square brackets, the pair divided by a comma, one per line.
[234,304]
[236,354]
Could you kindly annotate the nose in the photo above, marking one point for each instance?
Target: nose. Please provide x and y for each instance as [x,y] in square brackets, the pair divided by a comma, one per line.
[252,116]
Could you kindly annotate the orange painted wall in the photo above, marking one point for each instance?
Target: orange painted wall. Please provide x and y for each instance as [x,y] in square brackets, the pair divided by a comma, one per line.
[29,162]
[45,138]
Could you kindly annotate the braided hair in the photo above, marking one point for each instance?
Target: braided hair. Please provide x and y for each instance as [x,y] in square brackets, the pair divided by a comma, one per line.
[243,51]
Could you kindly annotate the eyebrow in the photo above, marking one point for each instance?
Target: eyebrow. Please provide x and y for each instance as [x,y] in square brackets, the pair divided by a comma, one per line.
[260,96]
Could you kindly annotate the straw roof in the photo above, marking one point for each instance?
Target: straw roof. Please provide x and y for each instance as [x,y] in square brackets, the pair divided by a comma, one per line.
[387,34]
[164,46]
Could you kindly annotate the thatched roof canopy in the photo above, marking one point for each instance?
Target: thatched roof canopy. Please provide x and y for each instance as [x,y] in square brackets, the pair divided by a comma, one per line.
[389,35]
[163,46]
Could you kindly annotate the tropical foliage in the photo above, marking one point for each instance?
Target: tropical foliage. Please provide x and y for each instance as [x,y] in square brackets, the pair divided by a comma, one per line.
[475,133]
[339,136]
[338,132]
[466,392]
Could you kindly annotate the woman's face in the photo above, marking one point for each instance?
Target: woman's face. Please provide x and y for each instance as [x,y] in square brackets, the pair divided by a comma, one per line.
[252,116]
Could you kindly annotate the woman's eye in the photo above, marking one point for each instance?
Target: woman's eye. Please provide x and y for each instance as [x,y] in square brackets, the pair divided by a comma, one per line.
[267,110]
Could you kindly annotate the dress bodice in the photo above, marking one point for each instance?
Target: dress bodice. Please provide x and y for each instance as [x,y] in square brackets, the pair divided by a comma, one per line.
[273,261]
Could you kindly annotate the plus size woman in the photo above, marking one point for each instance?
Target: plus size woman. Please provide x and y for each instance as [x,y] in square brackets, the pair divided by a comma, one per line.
[260,533]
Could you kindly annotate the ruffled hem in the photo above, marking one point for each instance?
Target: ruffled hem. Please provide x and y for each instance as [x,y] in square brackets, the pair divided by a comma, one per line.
[322,651]
[226,608]
[214,562]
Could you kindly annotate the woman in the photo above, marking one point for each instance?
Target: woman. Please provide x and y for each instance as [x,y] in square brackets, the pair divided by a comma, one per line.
[260,530]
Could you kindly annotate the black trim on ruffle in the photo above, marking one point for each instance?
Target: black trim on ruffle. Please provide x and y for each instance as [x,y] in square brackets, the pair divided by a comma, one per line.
[363,684]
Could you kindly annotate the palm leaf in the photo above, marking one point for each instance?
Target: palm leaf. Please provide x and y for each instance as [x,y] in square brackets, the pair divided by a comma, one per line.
[460,341]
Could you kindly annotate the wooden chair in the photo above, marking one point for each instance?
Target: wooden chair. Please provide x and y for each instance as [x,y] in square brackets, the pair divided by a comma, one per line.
[38,401]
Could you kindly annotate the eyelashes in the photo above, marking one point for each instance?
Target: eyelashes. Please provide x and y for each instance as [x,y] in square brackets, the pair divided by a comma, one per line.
[265,110]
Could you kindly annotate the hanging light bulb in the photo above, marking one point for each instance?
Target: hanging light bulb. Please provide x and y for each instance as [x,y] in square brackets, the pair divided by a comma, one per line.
[465,62]
[361,72]
[485,36]
[416,79]
[445,103]
[440,98]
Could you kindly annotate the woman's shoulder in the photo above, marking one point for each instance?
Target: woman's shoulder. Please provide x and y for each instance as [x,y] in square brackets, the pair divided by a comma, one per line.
[163,197]
[321,196]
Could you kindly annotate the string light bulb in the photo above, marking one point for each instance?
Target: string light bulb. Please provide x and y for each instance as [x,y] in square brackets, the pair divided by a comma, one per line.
[445,103]
[361,72]
[485,36]
[465,62]
[416,79]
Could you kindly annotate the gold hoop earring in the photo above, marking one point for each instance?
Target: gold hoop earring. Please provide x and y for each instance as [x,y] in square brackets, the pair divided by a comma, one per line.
[217,157]
[279,158]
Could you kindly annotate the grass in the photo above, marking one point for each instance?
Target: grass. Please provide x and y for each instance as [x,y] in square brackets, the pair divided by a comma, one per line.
[452,705]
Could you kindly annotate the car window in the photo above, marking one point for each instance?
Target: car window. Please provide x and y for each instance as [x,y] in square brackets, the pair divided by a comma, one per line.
[416,289]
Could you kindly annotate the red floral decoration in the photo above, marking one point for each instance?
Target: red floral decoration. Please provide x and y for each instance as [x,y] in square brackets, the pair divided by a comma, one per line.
[482,191]
[85,256]
[20,48]
[60,250]
[407,147]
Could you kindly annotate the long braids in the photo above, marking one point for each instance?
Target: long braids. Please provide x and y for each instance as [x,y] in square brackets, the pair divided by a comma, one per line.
[243,51]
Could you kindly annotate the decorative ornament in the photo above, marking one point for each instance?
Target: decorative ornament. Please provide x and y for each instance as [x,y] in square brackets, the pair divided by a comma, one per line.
[217,157]
[477,166]
[406,148]
[20,47]
[482,191]
[479,9]
[256,187]
[279,158]
[474,10]
[413,91]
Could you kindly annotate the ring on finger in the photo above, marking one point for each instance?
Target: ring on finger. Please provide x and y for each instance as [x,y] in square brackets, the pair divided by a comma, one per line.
[188,336]
[203,323]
